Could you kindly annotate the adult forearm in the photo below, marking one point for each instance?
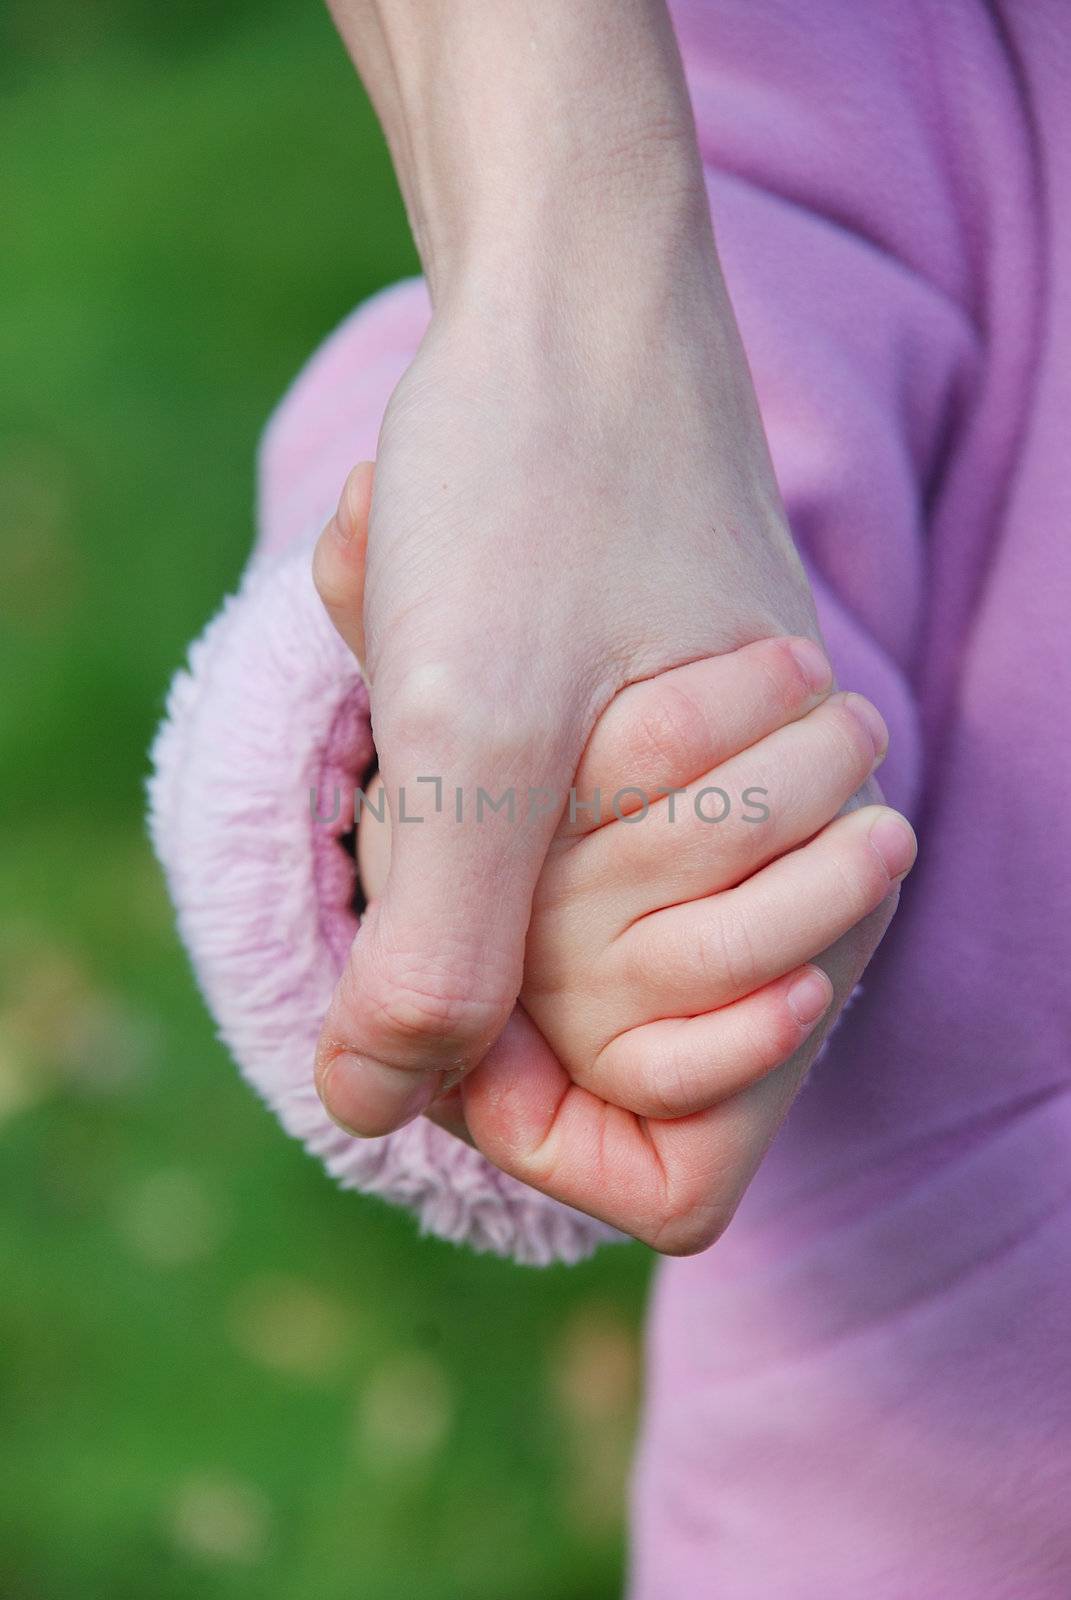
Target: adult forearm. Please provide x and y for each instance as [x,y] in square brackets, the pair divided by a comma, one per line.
[531,137]
[547,153]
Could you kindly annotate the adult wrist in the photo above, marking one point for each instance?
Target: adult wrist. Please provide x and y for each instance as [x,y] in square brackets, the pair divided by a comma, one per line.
[629,229]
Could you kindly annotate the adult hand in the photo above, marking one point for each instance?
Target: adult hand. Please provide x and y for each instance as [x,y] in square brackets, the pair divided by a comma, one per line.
[659,1130]
[573,492]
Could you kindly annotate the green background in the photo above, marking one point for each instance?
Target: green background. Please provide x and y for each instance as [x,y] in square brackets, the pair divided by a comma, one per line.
[221,1376]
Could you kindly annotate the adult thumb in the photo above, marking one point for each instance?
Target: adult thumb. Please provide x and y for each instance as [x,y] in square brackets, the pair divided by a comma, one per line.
[436,966]
[435,969]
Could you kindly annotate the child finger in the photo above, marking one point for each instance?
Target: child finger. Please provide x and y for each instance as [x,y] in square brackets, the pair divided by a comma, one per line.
[677,1066]
[734,820]
[702,955]
[667,730]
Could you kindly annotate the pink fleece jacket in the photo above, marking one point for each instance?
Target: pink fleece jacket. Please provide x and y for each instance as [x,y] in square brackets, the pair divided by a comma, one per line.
[864,1389]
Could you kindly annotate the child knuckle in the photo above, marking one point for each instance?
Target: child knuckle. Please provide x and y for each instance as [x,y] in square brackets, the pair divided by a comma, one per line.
[686,1228]
[726,954]
[669,725]
[851,747]
[785,679]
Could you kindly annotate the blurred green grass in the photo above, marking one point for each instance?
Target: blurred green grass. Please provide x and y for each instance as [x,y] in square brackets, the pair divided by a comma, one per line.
[221,1376]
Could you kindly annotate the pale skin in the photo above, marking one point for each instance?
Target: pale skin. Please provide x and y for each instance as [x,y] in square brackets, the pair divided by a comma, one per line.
[670,960]
[573,495]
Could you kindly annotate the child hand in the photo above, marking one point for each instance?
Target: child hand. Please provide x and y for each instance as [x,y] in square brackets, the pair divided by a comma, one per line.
[670,950]
[668,963]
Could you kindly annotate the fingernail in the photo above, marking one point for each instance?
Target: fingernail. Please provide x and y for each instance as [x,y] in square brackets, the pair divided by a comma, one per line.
[812,662]
[809,997]
[872,720]
[367,1098]
[347,518]
[342,528]
[894,841]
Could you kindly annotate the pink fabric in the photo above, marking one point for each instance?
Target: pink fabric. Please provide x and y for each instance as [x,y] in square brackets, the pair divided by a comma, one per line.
[863,1390]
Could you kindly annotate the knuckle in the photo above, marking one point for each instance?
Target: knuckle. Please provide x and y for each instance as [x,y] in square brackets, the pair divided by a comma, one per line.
[657,1073]
[696,1201]
[644,956]
[667,725]
[785,681]
[437,705]
[851,745]
[412,1005]
[665,1088]
[686,1229]
[428,702]
[788,685]
[862,880]
[726,952]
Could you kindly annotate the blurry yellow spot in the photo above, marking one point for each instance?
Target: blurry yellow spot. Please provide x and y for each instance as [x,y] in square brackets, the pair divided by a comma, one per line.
[404,1412]
[289,1326]
[168,1219]
[220,1519]
[20,1086]
[593,1373]
[38,569]
[58,1030]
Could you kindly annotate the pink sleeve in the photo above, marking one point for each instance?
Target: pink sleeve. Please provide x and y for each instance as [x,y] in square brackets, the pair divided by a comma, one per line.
[861,369]
[836,172]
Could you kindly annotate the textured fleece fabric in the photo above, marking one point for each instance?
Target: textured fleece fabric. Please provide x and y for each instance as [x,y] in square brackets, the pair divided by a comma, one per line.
[863,1391]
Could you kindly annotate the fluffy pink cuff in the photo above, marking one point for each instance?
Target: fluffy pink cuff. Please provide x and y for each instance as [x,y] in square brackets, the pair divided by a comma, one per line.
[271,708]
